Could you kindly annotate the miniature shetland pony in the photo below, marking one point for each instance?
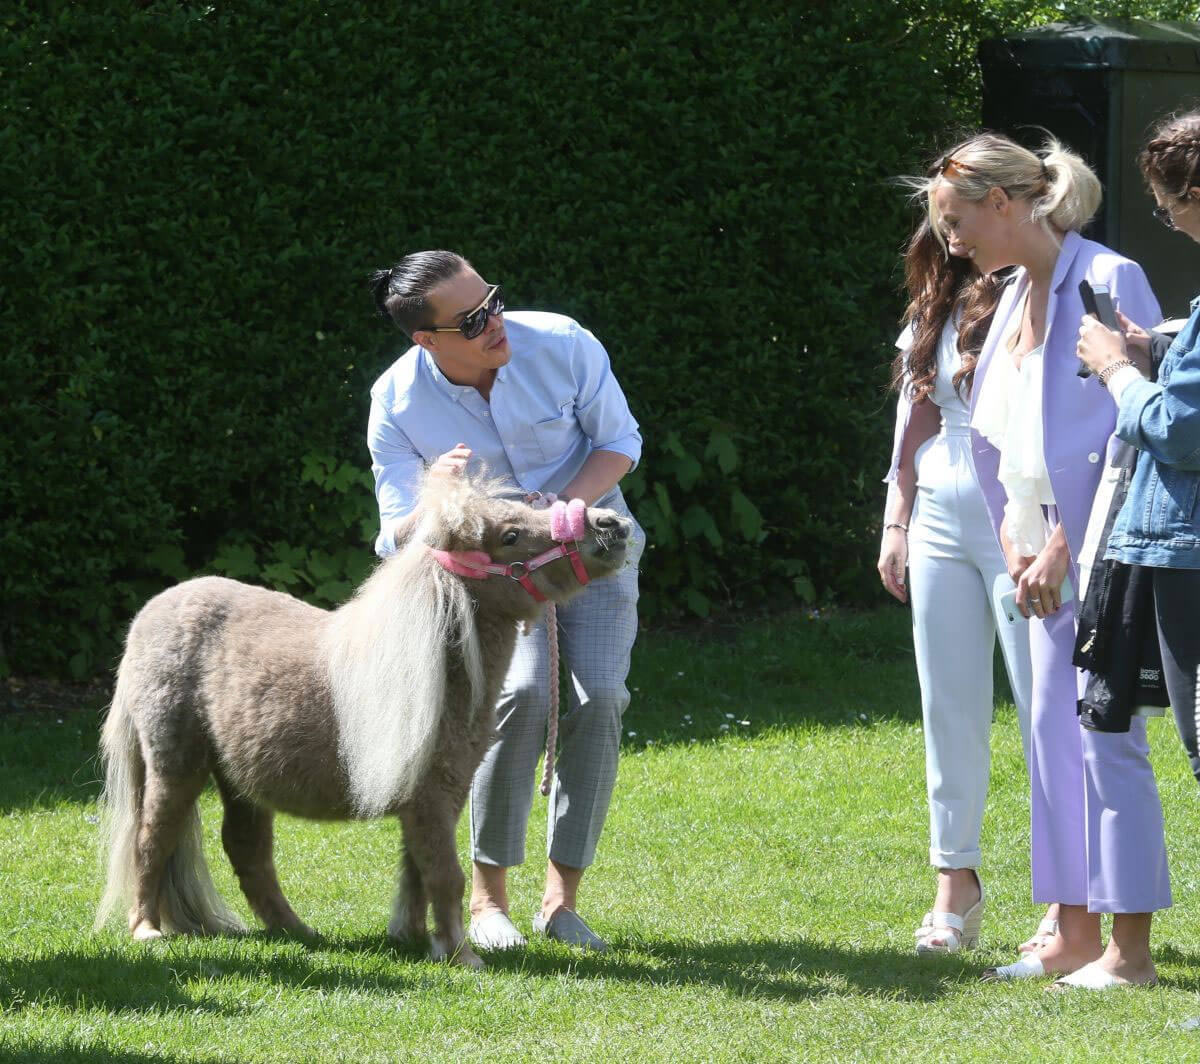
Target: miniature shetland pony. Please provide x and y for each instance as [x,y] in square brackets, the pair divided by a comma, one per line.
[382,707]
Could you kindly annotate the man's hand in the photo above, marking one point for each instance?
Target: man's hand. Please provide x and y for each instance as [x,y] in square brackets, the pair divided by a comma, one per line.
[452,463]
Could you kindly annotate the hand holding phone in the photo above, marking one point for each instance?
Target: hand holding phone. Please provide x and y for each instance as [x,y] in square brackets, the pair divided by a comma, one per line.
[1008,602]
[1097,301]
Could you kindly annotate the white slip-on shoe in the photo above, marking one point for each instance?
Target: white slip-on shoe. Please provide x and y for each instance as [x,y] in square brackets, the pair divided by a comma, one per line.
[1026,968]
[568,927]
[1094,977]
[495,931]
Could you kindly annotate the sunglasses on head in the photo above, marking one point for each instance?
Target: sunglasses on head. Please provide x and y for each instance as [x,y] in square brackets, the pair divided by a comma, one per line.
[952,168]
[476,320]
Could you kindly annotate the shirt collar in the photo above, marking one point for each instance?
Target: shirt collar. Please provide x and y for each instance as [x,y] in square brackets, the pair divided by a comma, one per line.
[455,391]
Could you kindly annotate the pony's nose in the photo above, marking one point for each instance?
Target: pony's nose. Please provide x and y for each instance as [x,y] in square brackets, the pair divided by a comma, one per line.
[612,523]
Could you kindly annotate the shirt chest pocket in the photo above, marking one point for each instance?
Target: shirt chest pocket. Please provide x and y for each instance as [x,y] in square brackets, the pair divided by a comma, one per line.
[557,434]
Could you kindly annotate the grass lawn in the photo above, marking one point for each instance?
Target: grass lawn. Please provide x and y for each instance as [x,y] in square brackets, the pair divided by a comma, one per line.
[760,877]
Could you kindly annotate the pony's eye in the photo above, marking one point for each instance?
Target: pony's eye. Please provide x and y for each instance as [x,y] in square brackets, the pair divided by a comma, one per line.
[510,537]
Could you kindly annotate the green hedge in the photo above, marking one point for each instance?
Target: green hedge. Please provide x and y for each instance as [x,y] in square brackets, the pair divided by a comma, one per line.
[193,194]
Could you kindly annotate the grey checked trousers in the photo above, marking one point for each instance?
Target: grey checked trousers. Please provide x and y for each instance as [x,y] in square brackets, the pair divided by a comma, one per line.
[596,630]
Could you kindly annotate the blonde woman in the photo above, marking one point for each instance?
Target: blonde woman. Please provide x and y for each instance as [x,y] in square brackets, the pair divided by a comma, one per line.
[1040,432]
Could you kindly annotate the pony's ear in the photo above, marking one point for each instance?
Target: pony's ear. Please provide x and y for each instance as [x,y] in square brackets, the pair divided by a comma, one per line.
[448,520]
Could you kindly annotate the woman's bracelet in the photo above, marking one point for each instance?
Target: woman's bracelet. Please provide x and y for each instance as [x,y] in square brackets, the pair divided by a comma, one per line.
[1104,375]
[896,524]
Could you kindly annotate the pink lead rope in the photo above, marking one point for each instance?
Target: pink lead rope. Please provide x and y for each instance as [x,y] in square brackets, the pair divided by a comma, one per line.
[566,523]
[566,527]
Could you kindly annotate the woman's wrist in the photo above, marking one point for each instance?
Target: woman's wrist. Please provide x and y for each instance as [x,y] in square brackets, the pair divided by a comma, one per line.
[895,524]
[1105,374]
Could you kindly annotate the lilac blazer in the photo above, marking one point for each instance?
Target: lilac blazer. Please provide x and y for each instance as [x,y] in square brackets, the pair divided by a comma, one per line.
[1078,417]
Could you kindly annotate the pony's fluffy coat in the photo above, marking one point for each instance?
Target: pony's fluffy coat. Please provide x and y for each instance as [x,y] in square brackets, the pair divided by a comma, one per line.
[381,706]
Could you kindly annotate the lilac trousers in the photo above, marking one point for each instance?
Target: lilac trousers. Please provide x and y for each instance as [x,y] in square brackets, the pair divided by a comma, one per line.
[1097,824]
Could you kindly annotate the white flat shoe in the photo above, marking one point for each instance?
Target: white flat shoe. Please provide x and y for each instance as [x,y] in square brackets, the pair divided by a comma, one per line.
[1025,968]
[568,927]
[949,932]
[1043,936]
[1094,977]
[495,931]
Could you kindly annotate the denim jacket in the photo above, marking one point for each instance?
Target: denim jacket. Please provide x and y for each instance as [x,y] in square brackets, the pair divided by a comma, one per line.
[1159,525]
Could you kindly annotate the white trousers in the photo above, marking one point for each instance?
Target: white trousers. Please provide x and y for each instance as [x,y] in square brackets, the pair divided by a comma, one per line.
[954,560]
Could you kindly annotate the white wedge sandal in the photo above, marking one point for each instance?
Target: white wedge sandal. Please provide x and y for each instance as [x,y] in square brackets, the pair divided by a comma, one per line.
[949,932]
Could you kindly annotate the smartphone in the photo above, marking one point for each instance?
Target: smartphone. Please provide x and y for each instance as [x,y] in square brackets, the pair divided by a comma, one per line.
[1097,301]
[1008,602]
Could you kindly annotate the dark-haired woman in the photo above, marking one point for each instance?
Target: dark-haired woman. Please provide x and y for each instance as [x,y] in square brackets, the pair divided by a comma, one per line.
[1158,526]
[936,523]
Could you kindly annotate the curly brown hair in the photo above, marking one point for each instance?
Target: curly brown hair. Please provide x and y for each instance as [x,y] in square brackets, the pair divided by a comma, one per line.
[1170,160]
[938,285]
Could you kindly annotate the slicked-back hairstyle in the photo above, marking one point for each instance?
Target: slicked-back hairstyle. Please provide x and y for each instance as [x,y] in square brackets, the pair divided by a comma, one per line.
[1170,161]
[1062,188]
[401,292]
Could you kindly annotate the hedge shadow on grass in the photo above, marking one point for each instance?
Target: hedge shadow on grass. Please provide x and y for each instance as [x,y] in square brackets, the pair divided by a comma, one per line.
[40,1053]
[785,970]
[776,672]
[836,669]
[107,979]
[47,759]
[118,980]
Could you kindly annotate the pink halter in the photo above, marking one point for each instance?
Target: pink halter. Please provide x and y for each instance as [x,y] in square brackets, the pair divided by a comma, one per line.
[566,526]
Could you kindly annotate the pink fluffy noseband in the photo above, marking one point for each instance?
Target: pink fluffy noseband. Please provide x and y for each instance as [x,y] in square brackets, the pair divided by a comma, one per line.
[566,520]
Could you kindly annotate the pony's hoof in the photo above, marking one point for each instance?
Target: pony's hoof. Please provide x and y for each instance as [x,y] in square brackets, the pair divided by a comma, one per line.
[408,939]
[297,930]
[146,932]
[462,955]
[466,957]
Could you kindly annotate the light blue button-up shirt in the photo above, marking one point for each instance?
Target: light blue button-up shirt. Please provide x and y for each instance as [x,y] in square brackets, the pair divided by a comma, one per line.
[550,407]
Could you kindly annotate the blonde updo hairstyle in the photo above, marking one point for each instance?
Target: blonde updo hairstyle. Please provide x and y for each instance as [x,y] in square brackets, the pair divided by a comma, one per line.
[1062,188]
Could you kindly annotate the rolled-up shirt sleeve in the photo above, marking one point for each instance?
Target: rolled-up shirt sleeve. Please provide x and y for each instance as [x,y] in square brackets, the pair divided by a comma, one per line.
[397,468]
[600,405]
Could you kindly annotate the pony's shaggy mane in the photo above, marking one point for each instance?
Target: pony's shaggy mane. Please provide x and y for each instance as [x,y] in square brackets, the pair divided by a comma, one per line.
[387,699]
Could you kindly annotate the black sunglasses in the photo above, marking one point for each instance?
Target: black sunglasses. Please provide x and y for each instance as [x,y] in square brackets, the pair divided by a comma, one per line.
[1164,216]
[476,321]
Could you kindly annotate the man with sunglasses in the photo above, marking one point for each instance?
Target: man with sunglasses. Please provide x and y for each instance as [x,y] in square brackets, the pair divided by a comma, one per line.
[532,397]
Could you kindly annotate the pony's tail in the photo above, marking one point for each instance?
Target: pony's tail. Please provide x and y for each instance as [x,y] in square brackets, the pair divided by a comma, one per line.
[188,901]
[120,804]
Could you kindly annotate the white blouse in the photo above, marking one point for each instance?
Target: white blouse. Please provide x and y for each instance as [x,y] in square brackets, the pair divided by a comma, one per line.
[1008,414]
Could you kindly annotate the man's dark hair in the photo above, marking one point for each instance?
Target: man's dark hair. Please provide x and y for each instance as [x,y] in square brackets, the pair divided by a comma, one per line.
[402,292]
